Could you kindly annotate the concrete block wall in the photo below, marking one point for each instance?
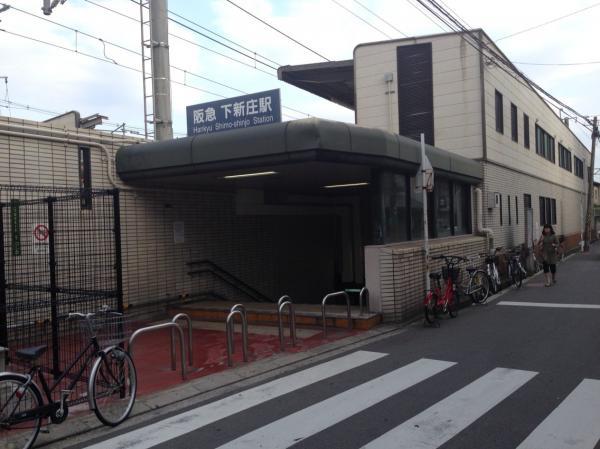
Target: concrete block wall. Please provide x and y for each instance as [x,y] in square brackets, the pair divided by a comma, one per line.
[395,273]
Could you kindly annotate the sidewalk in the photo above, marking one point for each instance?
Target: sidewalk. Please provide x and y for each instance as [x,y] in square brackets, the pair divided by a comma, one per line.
[578,282]
[161,389]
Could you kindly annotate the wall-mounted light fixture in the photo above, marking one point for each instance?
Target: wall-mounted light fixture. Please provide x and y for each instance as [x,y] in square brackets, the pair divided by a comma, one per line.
[250,175]
[341,186]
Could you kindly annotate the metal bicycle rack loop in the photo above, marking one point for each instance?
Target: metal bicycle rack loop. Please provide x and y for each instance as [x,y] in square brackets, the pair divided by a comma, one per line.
[190,332]
[324,306]
[363,299]
[169,325]
[240,310]
[286,301]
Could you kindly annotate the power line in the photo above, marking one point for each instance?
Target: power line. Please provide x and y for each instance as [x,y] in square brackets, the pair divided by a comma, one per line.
[558,63]
[185,71]
[549,22]
[277,30]
[479,44]
[361,19]
[380,18]
[424,14]
[134,19]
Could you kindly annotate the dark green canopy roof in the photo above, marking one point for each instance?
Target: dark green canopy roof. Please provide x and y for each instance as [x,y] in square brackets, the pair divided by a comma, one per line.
[307,141]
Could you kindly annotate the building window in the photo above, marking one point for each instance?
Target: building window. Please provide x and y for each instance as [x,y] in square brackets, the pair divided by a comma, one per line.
[517,209]
[461,207]
[395,202]
[501,223]
[85,177]
[547,211]
[564,158]
[578,167]
[527,200]
[526,130]
[499,113]
[415,91]
[514,123]
[544,144]
[443,208]
[509,214]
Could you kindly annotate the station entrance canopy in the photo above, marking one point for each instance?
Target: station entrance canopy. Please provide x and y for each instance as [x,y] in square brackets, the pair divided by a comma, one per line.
[301,156]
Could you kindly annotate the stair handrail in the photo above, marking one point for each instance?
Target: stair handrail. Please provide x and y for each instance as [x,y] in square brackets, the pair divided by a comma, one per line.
[363,299]
[233,280]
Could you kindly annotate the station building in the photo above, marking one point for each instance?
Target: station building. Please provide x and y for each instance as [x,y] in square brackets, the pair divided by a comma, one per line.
[312,206]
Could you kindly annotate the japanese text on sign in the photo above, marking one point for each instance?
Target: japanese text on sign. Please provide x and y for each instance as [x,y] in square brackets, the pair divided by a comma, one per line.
[233,113]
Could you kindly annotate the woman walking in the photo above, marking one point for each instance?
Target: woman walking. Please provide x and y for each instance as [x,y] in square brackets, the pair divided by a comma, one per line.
[549,244]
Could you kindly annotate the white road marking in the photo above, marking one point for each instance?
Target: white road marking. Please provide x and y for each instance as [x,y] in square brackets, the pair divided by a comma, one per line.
[445,419]
[573,424]
[167,429]
[549,304]
[293,428]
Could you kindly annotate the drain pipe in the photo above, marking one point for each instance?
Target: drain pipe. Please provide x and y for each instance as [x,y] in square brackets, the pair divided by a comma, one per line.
[69,141]
[487,232]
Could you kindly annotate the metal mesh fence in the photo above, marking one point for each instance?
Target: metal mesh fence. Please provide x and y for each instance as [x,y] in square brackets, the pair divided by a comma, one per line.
[57,256]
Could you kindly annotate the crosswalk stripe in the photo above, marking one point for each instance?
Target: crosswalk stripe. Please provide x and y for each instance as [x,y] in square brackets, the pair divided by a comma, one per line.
[167,429]
[445,419]
[293,428]
[573,424]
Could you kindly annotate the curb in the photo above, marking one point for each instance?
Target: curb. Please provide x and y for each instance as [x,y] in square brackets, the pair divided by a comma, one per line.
[193,392]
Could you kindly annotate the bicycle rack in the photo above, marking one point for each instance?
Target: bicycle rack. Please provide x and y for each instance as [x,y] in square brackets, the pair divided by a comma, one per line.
[363,299]
[169,325]
[324,306]
[286,301]
[240,310]
[190,332]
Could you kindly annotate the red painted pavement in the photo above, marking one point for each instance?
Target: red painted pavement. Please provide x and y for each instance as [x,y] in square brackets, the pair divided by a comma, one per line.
[153,362]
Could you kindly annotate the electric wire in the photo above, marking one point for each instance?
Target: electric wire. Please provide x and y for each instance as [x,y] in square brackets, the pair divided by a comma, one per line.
[277,30]
[349,11]
[504,65]
[184,71]
[548,22]
[380,18]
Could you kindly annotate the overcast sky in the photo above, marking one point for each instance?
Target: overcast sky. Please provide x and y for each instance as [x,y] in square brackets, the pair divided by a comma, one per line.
[57,80]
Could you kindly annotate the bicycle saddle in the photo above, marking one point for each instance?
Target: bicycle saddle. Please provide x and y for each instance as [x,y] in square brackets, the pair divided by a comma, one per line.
[435,275]
[31,353]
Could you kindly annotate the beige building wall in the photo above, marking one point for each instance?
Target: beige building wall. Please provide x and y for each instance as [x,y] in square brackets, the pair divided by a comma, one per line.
[456,91]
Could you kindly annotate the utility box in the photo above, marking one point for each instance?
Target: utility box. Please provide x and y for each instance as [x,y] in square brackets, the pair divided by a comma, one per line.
[493,200]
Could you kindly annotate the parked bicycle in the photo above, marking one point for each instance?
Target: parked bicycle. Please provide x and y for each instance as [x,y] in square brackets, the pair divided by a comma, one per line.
[492,271]
[478,284]
[516,272]
[112,385]
[441,301]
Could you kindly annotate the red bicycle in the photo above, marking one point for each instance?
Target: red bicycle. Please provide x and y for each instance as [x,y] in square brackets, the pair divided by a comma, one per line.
[438,301]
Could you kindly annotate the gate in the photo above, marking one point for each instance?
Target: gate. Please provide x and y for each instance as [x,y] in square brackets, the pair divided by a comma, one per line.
[60,252]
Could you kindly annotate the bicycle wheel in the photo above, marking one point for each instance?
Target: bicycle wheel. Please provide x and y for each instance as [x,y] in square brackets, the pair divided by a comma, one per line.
[15,399]
[430,309]
[479,287]
[518,276]
[113,386]
[453,306]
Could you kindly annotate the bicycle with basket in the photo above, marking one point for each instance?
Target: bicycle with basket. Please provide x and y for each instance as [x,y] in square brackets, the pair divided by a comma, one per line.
[111,386]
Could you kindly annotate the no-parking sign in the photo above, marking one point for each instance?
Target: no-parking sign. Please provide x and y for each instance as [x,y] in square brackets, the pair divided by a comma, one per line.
[41,233]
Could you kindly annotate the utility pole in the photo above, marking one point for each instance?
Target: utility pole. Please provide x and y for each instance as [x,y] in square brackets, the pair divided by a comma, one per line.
[590,193]
[161,77]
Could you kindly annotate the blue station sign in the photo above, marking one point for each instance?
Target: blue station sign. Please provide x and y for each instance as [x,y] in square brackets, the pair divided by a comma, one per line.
[261,108]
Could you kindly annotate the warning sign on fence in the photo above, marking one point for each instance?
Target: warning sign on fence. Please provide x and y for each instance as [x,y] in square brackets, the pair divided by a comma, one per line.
[41,243]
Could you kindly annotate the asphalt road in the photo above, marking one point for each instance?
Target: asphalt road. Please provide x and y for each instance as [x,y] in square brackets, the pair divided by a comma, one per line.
[499,376]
